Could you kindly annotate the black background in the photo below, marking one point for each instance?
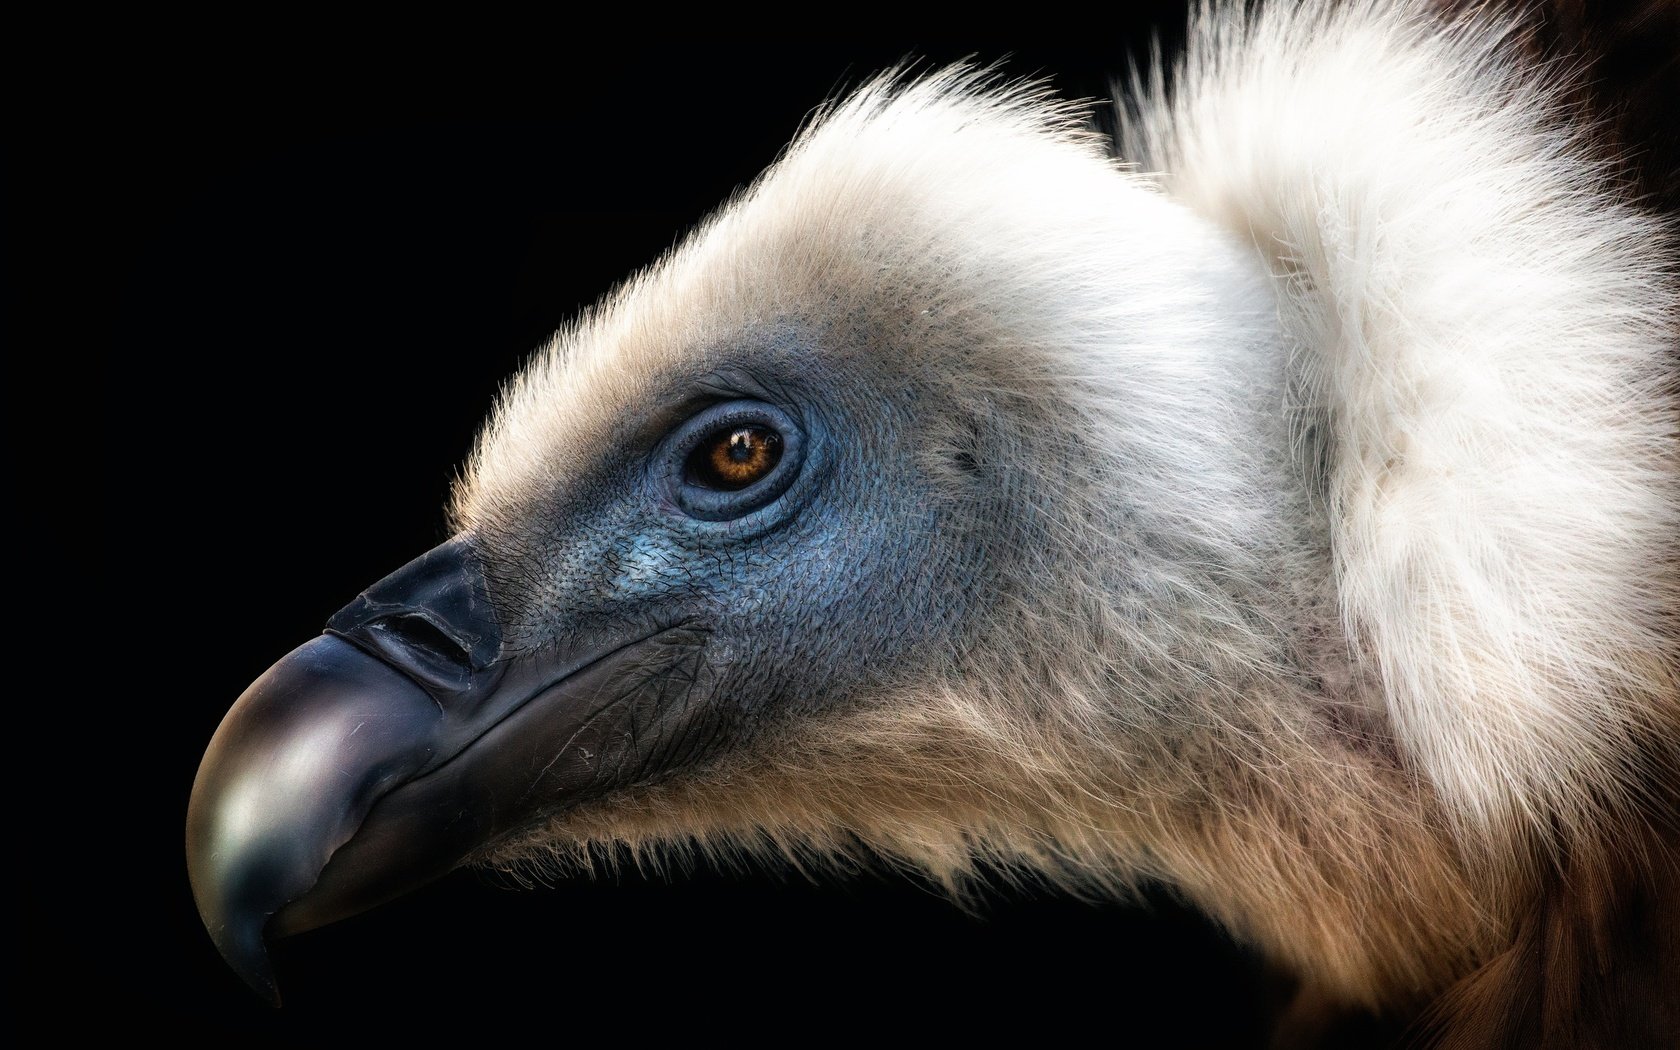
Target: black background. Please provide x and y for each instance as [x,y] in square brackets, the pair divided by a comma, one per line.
[295,267]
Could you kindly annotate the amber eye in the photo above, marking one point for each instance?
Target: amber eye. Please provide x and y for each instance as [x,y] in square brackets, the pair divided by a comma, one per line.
[731,461]
[734,458]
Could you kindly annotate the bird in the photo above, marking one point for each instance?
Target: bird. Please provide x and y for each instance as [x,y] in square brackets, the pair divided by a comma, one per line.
[1276,499]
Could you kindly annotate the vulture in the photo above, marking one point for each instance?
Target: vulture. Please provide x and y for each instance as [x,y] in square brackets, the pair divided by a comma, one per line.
[1276,499]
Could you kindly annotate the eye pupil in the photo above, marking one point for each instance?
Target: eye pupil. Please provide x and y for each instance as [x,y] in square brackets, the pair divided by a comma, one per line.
[735,458]
[742,445]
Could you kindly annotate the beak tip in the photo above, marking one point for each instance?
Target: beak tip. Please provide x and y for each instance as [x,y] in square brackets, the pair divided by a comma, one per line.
[271,804]
[259,977]
[243,948]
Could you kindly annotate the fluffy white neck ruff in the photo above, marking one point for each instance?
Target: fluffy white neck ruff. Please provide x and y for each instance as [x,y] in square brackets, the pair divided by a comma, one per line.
[1484,327]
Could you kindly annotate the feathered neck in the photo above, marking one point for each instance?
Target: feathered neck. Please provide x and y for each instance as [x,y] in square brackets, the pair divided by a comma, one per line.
[1485,350]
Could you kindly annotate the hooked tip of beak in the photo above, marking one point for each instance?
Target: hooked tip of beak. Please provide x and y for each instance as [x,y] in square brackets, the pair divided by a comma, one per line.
[243,948]
[288,779]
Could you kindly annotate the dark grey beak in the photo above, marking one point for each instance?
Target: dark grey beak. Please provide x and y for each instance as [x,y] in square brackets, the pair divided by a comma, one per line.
[377,756]
[289,777]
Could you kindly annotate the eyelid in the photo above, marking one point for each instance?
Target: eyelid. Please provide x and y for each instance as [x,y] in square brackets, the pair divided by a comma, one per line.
[722,504]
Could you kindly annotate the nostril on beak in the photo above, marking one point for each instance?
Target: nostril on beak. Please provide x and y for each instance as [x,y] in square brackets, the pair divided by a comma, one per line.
[424,638]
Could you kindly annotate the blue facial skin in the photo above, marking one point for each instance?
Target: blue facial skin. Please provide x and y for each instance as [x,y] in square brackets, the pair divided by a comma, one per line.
[799,600]
[619,628]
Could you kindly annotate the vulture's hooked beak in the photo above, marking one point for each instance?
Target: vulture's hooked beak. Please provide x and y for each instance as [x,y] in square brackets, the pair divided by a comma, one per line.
[375,757]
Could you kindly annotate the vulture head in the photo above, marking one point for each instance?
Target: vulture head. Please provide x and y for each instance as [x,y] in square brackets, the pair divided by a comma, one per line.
[1285,511]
